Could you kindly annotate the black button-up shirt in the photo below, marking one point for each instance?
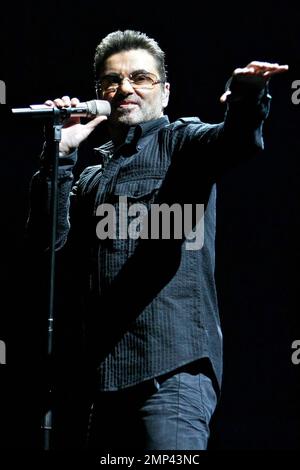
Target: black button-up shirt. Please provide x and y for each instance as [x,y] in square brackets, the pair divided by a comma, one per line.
[151,304]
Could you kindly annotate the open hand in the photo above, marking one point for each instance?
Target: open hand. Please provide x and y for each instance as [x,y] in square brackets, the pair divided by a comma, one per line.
[256,68]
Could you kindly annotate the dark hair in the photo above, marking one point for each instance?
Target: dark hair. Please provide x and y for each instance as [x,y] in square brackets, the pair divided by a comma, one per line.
[119,41]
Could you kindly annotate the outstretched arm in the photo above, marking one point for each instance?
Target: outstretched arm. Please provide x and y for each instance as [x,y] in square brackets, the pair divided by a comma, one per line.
[248,104]
[240,136]
[203,152]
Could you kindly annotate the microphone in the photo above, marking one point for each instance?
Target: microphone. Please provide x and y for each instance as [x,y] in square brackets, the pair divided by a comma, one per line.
[88,109]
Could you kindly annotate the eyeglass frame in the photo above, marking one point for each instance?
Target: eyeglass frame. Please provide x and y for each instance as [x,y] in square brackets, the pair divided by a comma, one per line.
[129,78]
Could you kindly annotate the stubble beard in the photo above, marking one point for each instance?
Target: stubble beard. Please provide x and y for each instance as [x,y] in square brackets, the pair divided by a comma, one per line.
[129,117]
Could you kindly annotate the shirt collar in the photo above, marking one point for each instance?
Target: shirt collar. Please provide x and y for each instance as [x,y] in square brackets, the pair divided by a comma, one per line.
[149,127]
[135,133]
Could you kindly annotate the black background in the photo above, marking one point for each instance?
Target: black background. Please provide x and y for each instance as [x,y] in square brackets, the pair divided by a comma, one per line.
[47,51]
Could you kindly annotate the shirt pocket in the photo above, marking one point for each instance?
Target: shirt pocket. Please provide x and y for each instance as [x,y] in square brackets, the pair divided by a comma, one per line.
[137,190]
[132,202]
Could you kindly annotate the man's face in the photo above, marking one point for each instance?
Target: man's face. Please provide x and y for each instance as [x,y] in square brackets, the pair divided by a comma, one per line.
[132,106]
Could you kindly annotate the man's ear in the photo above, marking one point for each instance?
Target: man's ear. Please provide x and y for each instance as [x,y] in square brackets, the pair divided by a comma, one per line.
[166,95]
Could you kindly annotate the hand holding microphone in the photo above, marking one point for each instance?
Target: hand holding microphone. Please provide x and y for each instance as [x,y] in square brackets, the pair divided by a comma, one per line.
[73,132]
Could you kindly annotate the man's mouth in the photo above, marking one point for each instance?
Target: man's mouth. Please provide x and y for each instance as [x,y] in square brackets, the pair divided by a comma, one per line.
[126,104]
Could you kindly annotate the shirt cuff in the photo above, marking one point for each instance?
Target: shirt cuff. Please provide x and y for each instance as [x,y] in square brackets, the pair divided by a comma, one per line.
[247,87]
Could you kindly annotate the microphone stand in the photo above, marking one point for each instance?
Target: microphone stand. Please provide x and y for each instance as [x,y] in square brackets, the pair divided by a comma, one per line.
[47,423]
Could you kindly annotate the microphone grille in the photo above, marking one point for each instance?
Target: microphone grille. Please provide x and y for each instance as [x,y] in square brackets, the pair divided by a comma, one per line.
[98,108]
[102,108]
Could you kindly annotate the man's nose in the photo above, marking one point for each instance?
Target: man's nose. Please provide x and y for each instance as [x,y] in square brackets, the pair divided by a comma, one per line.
[125,86]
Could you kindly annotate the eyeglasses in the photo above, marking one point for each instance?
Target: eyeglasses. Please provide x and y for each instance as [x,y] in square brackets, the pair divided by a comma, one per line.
[138,79]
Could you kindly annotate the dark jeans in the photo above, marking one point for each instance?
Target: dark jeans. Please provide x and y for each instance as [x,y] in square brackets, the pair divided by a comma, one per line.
[170,412]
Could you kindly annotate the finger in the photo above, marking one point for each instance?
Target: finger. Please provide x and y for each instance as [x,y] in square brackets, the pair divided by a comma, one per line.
[49,103]
[223,98]
[284,67]
[244,70]
[280,69]
[270,67]
[66,100]
[262,70]
[95,122]
[75,102]
[260,64]
[59,102]
[275,71]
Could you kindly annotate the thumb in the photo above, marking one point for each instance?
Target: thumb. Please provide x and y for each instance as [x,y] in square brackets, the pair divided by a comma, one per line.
[223,98]
[95,122]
